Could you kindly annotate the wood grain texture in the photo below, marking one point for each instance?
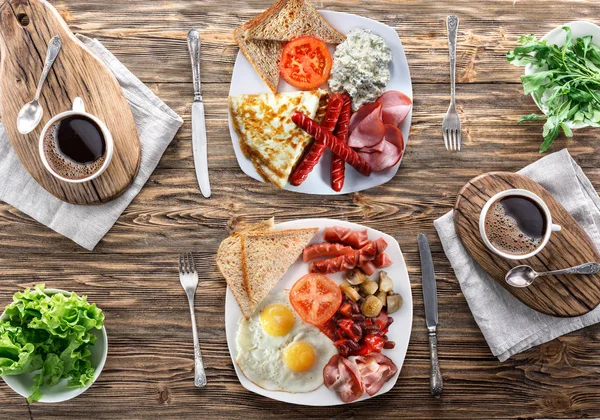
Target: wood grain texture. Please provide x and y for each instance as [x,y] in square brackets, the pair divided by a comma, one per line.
[562,296]
[132,273]
[76,73]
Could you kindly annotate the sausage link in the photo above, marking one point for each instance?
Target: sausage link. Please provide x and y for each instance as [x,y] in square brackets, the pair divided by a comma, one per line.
[336,145]
[317,148]
[338,166]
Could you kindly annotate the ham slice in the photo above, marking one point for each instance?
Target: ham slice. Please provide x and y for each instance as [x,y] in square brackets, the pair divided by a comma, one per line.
[343,376]
[392,149]
[375,370]
[395,107]
[366,126]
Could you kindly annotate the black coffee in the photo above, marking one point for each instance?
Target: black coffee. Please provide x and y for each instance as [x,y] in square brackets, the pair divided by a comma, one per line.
[515,225]
[75,147]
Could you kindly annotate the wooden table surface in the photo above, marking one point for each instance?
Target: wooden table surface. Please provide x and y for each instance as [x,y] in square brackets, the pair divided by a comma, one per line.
[132,273]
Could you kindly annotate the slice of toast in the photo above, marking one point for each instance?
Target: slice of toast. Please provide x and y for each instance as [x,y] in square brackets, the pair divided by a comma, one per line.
[289,19]
[229,261]
[263,55]
[266,256]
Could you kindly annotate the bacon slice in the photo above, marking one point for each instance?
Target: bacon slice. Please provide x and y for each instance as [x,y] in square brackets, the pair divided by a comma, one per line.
[325,249]
[342,376]
[392,149]
[317,148]
[338,166]
[366,126]
[346,236]
[375,370]
[395,107]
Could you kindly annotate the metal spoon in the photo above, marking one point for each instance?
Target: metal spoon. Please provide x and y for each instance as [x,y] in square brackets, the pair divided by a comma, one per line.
[524,275]
[31,114]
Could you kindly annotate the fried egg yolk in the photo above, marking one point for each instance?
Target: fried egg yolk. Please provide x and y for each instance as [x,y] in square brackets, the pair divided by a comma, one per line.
[277,320]
[299,356]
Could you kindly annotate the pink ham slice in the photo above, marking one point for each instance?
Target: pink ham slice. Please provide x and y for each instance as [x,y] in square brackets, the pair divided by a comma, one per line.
[395,107]
[392,149]
[375,370]
[366,126]
[343,377]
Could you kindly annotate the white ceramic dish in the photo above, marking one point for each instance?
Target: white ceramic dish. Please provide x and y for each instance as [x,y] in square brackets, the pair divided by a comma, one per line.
[22,384]
[557,37]
[246,81]
[399,331]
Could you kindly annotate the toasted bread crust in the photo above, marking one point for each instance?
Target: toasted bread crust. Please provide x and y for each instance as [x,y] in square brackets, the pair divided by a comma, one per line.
[289,19]
[254,297]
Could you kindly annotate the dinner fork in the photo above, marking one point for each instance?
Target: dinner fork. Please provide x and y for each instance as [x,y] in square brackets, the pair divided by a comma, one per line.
[451,123]
[188,276]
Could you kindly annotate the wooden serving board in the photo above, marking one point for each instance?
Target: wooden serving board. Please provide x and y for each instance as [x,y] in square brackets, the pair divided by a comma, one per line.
[26,27]
[562,296]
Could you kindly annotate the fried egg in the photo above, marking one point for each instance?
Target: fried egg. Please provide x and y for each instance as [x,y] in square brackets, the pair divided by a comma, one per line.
[280,352]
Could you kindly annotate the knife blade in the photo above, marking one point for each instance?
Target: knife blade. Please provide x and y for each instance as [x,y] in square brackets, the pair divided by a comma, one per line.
[431,313]
[199,142]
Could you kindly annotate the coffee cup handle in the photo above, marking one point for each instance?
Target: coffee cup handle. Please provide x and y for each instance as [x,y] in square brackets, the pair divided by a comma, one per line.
[556,228]
[78,105]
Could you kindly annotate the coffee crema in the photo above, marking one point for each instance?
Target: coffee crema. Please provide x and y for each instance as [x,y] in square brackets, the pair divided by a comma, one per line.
[515,225]
[75,147]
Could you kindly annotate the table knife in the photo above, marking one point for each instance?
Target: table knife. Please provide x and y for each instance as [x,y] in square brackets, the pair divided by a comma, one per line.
[198,120]
[431,313]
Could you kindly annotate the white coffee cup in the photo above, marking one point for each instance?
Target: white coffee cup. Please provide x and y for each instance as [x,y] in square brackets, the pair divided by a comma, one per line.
[519,193]
[78,110]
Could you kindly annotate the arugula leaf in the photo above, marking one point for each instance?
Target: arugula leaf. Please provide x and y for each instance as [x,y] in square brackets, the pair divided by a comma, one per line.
[567,82]
[535,81]
[51,335]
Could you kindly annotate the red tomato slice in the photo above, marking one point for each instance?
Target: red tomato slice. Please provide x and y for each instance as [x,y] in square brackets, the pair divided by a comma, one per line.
[315,298]
[305,63]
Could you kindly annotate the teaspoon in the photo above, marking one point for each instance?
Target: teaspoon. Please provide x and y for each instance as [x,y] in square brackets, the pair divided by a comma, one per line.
[31,114]
[524,275]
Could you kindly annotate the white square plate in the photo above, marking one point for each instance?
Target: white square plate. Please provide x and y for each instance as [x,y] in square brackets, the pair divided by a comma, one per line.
[399,331]
[246,81]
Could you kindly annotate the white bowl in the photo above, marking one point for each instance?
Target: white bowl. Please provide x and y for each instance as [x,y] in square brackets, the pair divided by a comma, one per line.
[557,37]
[23,383]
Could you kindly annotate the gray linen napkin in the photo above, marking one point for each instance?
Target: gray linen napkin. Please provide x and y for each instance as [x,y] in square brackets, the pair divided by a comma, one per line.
[157,124]
[508,325]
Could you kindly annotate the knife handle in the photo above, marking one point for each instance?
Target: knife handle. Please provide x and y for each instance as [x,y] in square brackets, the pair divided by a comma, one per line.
[437,382]
[193,40]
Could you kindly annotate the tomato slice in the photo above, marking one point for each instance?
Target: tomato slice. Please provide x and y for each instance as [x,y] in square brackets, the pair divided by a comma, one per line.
[315,298]
[305,63]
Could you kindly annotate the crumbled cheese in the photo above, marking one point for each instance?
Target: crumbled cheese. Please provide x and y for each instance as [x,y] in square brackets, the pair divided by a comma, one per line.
[361,67]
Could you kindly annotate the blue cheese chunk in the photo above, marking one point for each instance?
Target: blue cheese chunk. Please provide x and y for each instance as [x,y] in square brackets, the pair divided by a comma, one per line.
[361,67]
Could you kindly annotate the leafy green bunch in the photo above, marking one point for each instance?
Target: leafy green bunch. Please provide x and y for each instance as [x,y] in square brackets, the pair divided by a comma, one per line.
[50,333]
[566,82]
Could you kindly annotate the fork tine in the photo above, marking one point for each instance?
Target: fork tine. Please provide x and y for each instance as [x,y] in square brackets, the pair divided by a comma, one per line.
[445,133]
[192,263]
[459,139]
[451,139]
[454,147]
[455,141]
[188,265]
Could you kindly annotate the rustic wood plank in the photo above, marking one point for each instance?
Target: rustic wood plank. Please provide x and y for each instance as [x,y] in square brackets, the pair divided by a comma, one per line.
[77,72]
[561,296]
[132,273]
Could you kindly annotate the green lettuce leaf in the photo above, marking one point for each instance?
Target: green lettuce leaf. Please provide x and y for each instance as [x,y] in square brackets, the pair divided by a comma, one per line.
[51,335]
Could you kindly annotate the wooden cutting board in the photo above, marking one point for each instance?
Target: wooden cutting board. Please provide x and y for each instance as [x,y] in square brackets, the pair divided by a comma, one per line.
[26,27]
[562,296]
